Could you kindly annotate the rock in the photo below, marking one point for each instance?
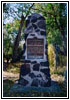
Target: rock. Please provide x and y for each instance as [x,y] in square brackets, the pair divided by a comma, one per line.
[36,67]
[24,57]
[35,82]
[46,53]
[27,22]
[25,36]
[46,46]
[33,62]
[24,69]
[24,48]
[41,18]
[33,19]
[34,26]
[43,33]
[29,28]
[47,84]
[36,15]
[37,71]
[44,63]
[42,25]
[42,83]
[32,34]
[29,17]
[46,71]
[39,75]
[37,30]
[26,61]
[54,88]
[32,75]
[23,82]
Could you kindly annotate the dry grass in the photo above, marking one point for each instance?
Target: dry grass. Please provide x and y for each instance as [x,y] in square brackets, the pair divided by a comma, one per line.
[58,74]
[14,68]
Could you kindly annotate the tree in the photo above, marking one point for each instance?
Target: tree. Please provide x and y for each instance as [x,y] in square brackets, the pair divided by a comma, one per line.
[56,22]
[21,12]
[7,42]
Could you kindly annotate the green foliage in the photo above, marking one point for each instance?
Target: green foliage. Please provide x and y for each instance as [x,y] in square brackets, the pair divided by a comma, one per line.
[10,31]
[62,60]
[54,37]
[55,16]
[7,43]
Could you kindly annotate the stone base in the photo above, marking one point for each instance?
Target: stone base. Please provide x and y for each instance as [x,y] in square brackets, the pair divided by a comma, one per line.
[33,73]
[20,88]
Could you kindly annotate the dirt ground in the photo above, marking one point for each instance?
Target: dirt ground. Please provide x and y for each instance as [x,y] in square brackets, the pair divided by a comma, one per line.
[14,77]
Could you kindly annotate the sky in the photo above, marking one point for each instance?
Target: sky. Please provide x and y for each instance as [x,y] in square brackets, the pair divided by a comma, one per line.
[13,11]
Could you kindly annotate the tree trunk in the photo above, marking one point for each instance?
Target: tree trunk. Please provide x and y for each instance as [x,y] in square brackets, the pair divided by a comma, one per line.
[60,27]
[16,43]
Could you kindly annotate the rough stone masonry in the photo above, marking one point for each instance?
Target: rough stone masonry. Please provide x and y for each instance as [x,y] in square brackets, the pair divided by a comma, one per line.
[35,69]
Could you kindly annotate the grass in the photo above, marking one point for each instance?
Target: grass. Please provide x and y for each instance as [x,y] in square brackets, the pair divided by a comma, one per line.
[14,68]
[57,75]
[7,85]
[59,70]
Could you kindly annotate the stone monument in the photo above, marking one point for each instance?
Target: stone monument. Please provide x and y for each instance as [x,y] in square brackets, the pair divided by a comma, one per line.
[35,69]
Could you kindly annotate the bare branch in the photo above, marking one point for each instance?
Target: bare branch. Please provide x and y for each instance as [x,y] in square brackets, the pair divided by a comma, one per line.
[29,10]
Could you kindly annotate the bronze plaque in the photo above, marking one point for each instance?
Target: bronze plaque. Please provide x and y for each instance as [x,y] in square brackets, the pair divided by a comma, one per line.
[35,48]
